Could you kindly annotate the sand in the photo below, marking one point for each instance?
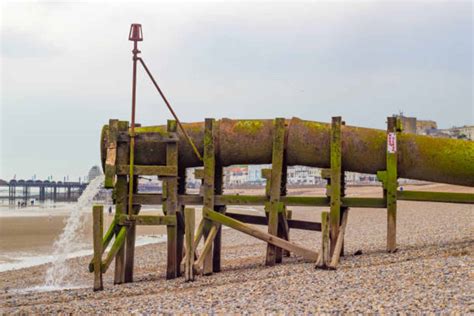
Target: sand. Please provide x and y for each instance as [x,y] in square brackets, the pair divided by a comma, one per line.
[430,272]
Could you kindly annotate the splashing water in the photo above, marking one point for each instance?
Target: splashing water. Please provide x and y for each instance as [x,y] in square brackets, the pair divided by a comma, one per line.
[58,275]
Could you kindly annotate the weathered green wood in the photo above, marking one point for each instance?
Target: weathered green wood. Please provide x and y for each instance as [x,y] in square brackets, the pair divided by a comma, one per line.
[105,241]
[324,256]
[443,197]
[171,206]
[162,171]
[340,241]
[121,194]
[208,190]
[97,232]
[197,238]
[189,220]
[289,215]
[167,220]
[115,249]
[391,186]
[218,189]
[180,220]
[131,236]
[275,186]
[335,186]
[249,230]
[111,153]
[190,199]
[206,249]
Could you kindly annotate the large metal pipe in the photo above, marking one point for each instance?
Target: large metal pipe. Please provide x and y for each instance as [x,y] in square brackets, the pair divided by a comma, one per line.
[363,149]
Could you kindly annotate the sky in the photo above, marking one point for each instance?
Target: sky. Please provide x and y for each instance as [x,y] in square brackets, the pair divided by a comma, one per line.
[66,68]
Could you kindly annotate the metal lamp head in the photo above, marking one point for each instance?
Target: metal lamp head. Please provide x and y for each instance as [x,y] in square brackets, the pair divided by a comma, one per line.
[135,34]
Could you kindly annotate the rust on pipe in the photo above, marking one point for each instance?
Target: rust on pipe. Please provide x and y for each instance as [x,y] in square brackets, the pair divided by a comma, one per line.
[363,149]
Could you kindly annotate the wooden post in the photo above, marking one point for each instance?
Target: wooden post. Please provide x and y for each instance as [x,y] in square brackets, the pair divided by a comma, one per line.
[340,241]
[336,171]
[289,215]
[121,198]
[180,221]
[209,189]
[189,219]
[171,204]
[275,186]
[98,232]
[323,258]
[282,219]
[391,184]
[218,189]
[130,242]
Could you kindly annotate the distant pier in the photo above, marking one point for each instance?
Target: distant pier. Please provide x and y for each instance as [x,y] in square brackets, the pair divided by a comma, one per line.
[56,191]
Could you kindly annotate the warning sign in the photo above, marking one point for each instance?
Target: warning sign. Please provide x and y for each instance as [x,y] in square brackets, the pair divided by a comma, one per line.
[391,143]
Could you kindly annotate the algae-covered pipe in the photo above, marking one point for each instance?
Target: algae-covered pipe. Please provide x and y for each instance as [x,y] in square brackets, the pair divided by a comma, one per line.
[363,149]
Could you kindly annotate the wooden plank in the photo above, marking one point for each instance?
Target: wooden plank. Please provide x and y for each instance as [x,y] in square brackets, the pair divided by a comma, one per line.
[391,184]
[97,232]
[218,189]
[148,220]
[130,241]
[340,241]
[162,171]
[105,241]
[117,246]
[189,222]
[121,197]
[336,173]
[206,249]
[443,197]
[275,186]
[323,259]
[145,136]
[208,188]
[289,215]
[192,199]
[260,220]
[111,154]
[249,230]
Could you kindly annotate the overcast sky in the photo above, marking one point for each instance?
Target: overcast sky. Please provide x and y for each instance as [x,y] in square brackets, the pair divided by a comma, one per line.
[66,68]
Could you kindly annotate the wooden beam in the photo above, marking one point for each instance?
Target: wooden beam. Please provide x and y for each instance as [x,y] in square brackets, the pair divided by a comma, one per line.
[324,257]
[275,186]
[443,197]
[208,189]
[191,199]
[336,173]
[261,220]
[249,230]
[97,232]
[340,241]
[171,205]
[148,220]
[189,222]
[115,249]
[162,171]
[206,249]
[391,184]
[121,198]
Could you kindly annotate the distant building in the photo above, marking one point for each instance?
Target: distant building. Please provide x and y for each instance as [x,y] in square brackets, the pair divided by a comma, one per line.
[94,172]
[425,127]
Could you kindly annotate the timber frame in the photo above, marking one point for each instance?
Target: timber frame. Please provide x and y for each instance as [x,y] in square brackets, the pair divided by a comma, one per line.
[178,217]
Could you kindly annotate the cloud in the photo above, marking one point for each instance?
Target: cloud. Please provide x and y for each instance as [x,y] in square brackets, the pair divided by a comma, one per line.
[21,44]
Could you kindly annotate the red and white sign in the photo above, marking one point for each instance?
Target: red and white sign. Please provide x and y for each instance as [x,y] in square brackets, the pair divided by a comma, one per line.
[392,143]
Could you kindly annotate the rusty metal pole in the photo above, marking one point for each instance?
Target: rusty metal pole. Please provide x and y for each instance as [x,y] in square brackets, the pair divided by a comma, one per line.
[136,36]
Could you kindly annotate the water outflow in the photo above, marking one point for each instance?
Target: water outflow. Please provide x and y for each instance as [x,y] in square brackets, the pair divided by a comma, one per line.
[58,275]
